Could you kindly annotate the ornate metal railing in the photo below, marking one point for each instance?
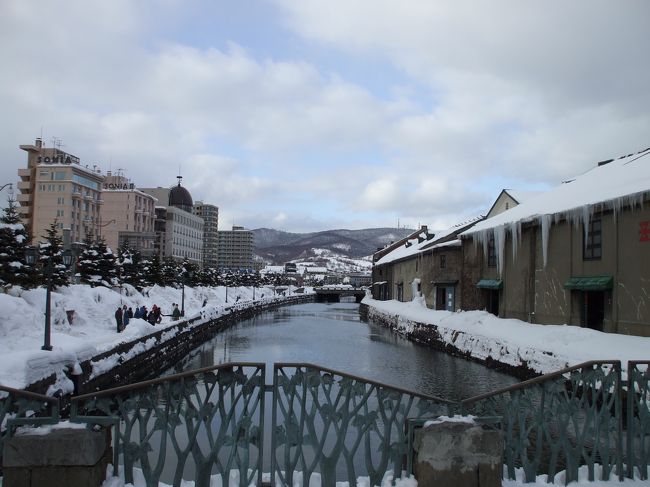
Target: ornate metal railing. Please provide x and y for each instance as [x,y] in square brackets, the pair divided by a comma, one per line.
[560,421]
[209,420]
[638,418]
[339,426]
[19,407]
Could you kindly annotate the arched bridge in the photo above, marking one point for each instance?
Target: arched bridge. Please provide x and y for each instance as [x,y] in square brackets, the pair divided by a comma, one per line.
[333,294]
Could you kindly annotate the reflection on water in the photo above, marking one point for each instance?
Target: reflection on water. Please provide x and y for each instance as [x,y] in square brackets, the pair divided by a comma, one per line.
[331,335]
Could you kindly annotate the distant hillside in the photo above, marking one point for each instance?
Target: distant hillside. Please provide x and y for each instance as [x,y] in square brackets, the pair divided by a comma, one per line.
[277,247]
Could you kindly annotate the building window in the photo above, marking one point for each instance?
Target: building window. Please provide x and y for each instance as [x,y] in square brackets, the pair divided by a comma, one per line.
[443,261]
[592,249]
[492,253]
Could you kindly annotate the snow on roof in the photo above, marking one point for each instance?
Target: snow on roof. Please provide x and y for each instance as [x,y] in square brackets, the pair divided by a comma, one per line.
[316,270]
[617,182]
[520,196]
[413,247]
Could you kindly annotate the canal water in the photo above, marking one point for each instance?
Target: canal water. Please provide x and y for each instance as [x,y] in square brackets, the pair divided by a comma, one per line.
[333,336]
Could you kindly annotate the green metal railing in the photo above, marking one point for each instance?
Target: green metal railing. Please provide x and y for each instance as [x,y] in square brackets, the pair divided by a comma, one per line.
[560,421]
[329,423]
[208,420]
[638,418]
[337,426]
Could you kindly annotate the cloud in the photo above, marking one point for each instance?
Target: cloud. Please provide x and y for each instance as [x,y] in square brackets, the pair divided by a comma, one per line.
[296,134]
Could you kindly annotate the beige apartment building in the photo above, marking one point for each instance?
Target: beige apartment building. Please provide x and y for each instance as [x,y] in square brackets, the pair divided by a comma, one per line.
[56,187]
[235,248]
[128,215]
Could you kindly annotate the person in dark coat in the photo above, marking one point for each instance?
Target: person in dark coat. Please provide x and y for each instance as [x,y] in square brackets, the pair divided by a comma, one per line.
[137,313]
[130,313]
[125,316]
[118,319]
[151,317]
[176,313]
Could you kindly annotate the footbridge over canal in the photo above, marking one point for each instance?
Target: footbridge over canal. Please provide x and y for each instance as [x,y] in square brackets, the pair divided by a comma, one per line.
[333,294]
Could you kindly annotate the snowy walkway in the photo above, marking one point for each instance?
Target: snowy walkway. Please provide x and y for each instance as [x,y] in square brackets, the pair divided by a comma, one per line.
[93,331]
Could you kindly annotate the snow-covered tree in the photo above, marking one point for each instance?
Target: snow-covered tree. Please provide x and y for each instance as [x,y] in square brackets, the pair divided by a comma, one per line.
[107,264]
[171,271]
[88,263]
[50,257]
[13,243]
[151,270]
[129,263]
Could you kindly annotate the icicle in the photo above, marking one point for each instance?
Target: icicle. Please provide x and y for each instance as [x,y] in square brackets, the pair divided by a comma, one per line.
[515,236]
[500,246]
[586,217]
[545,223]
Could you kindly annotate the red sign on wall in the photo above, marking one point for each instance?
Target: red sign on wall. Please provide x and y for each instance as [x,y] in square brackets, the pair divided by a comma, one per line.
[644,231]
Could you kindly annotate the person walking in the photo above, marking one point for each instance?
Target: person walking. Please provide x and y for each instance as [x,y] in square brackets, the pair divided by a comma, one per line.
[176,313]
[125,317]
[118,319]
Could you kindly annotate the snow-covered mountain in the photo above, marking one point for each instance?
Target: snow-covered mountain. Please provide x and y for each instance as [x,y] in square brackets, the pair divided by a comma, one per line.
[338,250]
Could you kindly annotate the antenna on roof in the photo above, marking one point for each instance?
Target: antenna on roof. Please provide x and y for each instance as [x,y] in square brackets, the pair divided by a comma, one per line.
[179,179]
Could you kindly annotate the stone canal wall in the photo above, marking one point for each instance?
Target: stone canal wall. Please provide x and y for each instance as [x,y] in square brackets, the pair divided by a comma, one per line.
[146,357]
[453,342]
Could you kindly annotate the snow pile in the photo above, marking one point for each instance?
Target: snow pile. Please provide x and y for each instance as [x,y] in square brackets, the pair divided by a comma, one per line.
[559,479]
[93,328]
[217,481]
[543,348]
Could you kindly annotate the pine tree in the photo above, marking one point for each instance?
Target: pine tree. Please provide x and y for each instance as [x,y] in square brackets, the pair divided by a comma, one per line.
[13,243]
[129,263]
[107,264]
[151,272]
[50,257]
[88,264]
[171,271]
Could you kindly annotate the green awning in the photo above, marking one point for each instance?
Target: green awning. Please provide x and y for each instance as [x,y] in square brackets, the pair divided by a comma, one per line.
[490,284]
[591,283]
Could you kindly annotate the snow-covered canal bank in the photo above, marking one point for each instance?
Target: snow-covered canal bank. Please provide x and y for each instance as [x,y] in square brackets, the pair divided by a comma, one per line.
[540,348]
[93,330]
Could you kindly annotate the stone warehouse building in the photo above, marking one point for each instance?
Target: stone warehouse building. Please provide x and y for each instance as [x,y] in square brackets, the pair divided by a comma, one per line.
[578,254]
[428,265]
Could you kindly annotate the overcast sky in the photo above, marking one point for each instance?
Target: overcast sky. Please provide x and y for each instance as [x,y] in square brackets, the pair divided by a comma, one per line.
[308,115]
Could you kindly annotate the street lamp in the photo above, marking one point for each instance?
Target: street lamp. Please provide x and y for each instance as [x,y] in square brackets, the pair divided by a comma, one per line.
[185,276]
[31,255]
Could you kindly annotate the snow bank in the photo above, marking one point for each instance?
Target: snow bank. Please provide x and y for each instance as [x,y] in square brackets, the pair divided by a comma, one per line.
[543,348]
[93,329]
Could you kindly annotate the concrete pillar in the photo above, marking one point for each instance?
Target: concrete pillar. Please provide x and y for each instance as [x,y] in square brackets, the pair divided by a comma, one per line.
[458,452]
[61,458]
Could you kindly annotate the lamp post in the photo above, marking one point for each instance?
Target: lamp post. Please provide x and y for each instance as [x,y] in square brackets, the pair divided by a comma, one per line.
[31,254]
[186,274]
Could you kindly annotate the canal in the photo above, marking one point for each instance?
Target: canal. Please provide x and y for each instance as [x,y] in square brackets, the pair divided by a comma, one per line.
[333,336]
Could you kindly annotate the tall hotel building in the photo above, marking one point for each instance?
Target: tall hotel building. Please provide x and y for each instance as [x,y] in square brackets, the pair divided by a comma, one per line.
[235,249]
[210,215]
[56,187]
[128,215]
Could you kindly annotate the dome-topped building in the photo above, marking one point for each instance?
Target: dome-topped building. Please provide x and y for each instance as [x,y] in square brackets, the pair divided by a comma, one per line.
[180,197]
[179,231]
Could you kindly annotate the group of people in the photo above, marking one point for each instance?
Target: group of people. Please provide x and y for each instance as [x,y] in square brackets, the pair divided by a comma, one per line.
[124,314]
